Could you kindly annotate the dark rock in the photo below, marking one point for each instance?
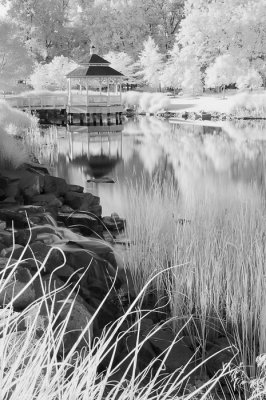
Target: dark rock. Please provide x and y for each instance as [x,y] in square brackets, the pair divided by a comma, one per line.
[16,286]
[218,355]
[81,201]
[36,167]
[54,260]
[104,179]
[47,199]
[31,185]
[6,238]
[2,194]
[113,223]
[16,252]
[75,188]
[79,317]
[66,209]
[25,236]
[206,117]
[81,220]
[53,184]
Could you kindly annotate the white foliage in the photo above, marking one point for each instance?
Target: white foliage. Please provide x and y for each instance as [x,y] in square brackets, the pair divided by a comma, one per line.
[146,102]
[52,75]
[192,79]
[121,62]
[223,71]
[252,80]
[151,63]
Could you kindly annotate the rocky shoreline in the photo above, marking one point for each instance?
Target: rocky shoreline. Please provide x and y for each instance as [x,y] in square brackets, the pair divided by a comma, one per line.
[54,233]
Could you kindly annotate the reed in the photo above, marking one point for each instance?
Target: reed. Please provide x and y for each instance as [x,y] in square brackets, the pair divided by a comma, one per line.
[30,367]
[218,236]
[249,104]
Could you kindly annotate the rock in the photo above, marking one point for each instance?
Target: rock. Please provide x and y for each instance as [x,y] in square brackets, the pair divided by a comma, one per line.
[81,220]
[104,179]
[16,251]
[75,188]
[79,317]
[81,201]
[113,223]
[31,185]
[24,236]
[220,353]
[206,116]
[16,286]
[66,209]
[53,184]
[6,238]
[2,194]
[54,260]
[36,167]
[47,199]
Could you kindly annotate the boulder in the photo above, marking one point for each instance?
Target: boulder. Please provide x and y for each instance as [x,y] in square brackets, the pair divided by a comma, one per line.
[16,286]
[85,223]
[219,354]
[47,199]
[79,316]
[81,201]
[53,184]
[75,188]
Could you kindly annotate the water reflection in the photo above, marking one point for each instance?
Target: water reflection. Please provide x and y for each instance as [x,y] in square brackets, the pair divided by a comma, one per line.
[198,158]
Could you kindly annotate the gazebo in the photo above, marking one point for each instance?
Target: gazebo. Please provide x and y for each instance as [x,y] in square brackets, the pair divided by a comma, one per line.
[94,93]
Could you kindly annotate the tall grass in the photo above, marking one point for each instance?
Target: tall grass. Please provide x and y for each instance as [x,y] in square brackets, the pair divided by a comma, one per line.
[146,102]
[221,244]
[31,369]
[12,152]
[249,104]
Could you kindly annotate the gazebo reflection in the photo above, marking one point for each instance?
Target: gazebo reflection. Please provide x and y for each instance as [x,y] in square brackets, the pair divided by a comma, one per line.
[95,154]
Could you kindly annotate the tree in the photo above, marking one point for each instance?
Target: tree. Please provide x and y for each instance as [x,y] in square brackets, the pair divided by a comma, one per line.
[122,62]
[213,28]
[193,80]
[15,63]
[45,26]
[222,72]
[150,63]
[53,74]
[251,80]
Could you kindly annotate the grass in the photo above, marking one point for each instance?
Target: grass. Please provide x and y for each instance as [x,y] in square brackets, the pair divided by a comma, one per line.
[12,152]
[146,102]
[220,245]
[249,104]
[30,367]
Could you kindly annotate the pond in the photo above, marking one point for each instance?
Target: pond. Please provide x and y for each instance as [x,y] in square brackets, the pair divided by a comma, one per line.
[220,156]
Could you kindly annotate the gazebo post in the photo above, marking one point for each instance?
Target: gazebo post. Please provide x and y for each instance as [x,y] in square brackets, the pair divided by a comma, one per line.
[87,100]
[108,91]
[120,91]
[69,91]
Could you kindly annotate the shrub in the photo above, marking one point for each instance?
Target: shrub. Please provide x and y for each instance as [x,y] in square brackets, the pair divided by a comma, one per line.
[146,102]
[249,104]
[12,152]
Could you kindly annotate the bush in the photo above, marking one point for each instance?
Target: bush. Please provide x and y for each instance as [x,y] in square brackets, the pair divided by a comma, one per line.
[249,104]
[12,152]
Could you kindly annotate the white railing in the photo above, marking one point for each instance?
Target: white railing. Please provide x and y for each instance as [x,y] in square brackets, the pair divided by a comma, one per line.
[96,100]
[61,101]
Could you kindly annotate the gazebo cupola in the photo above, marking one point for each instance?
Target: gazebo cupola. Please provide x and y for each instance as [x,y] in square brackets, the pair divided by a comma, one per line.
[94,87]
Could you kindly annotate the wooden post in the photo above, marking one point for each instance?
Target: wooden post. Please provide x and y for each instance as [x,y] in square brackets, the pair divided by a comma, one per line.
[120,92]
[69,91]
[87,100]
[108,92]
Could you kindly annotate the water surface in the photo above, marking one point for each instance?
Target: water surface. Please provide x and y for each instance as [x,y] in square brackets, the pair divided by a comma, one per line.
[195,157]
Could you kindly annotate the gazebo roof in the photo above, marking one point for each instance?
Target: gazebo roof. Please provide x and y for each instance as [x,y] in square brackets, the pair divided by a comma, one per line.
[94,66]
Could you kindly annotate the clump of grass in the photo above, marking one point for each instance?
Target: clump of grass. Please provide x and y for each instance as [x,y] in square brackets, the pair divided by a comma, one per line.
[15,121]
[218,237]
[12,152]
[248,104]
[146,102]
[30,367]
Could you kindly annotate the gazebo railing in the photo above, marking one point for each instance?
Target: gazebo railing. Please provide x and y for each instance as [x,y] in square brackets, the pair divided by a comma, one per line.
[95,100]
